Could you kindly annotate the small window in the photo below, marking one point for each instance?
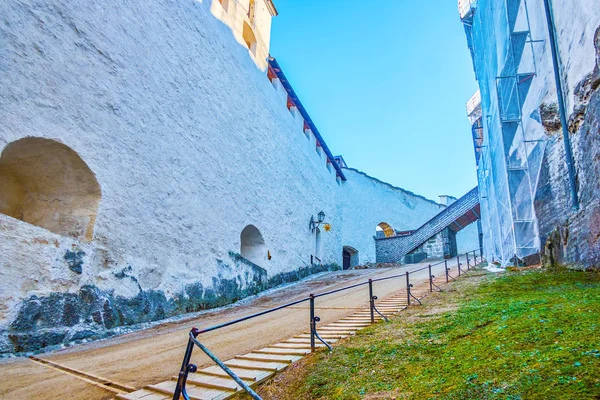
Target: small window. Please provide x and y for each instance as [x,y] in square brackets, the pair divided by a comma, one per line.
[249,38]
[307,130]
[252,13]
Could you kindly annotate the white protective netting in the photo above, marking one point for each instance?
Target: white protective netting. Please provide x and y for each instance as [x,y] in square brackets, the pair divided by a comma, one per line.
[507,131]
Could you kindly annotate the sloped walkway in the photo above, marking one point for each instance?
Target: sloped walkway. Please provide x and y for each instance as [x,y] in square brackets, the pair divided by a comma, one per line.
[213,383]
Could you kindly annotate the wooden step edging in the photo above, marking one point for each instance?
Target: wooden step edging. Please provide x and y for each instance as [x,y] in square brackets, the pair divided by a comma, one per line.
[260,365]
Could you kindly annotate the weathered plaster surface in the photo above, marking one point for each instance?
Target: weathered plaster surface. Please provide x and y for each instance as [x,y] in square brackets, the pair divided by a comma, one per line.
[366,202]
[532,211]
[569,236]
[190,143]
[467,239]
[573,237]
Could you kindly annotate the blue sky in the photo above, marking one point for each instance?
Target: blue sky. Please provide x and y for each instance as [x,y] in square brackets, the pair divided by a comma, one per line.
[386,83]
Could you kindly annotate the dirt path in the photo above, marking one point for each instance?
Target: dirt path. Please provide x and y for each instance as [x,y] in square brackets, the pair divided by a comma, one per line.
[154,354]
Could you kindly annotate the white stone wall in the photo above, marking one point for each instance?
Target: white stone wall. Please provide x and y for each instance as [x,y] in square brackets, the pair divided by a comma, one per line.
[189,142]
[367,201]
[33,263]
[575,23]
[467,239]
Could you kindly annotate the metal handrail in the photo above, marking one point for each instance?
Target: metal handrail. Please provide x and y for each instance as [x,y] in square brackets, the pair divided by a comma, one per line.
[341,289]
[412,295]
[317,319]
[187,367]
[258,314]
[432,283]
[438,263]
[377,311]
[389,277]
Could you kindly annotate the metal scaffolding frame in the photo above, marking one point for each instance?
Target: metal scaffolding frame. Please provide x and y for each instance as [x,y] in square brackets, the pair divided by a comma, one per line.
[507,133]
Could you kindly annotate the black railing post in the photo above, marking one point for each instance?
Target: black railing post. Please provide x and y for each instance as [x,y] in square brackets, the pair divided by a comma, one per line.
[458,262]
[446,268]
[186,367]
[407,288]
[475,257]
[312,323]
[371,301]
[430,280]
[468,260]
[481,252]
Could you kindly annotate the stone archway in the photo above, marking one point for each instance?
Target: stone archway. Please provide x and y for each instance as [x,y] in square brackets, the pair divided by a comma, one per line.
[252,246]
[385,229]
[45,183]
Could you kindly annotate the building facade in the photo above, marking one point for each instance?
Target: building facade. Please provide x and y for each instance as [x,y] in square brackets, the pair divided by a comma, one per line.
[150,167]
[534,144]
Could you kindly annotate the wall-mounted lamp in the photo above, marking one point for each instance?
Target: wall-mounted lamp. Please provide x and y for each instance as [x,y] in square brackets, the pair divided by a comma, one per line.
[314,224]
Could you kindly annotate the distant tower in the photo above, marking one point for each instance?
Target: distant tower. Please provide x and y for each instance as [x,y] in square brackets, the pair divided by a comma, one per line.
[250,21]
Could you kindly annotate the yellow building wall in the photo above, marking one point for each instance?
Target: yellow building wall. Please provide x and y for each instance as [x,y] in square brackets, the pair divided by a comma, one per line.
[253,33]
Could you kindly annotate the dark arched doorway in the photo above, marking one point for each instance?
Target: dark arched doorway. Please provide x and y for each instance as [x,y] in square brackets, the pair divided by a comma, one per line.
[252,245]
[350,257]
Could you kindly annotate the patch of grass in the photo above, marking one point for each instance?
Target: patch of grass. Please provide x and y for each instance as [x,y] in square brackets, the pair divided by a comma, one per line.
[519,335]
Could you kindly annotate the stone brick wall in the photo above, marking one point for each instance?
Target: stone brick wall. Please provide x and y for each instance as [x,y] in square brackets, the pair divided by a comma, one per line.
[434,247]
[389,251]
[444,244]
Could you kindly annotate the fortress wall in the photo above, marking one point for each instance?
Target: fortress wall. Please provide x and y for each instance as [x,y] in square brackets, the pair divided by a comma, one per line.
[367,201]
[567,236]
[189,143]
[467,239]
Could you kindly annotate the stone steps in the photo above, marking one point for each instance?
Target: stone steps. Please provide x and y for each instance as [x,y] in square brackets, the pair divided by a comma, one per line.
[212,383]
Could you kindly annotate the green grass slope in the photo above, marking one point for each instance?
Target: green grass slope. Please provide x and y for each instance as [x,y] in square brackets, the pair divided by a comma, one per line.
[519,335]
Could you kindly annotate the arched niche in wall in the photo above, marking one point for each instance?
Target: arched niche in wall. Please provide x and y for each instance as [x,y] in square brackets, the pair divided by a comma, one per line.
[45,183]
[384,229]
[253,246]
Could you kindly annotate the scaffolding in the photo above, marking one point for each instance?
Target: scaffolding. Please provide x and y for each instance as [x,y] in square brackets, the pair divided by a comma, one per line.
[508,137]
